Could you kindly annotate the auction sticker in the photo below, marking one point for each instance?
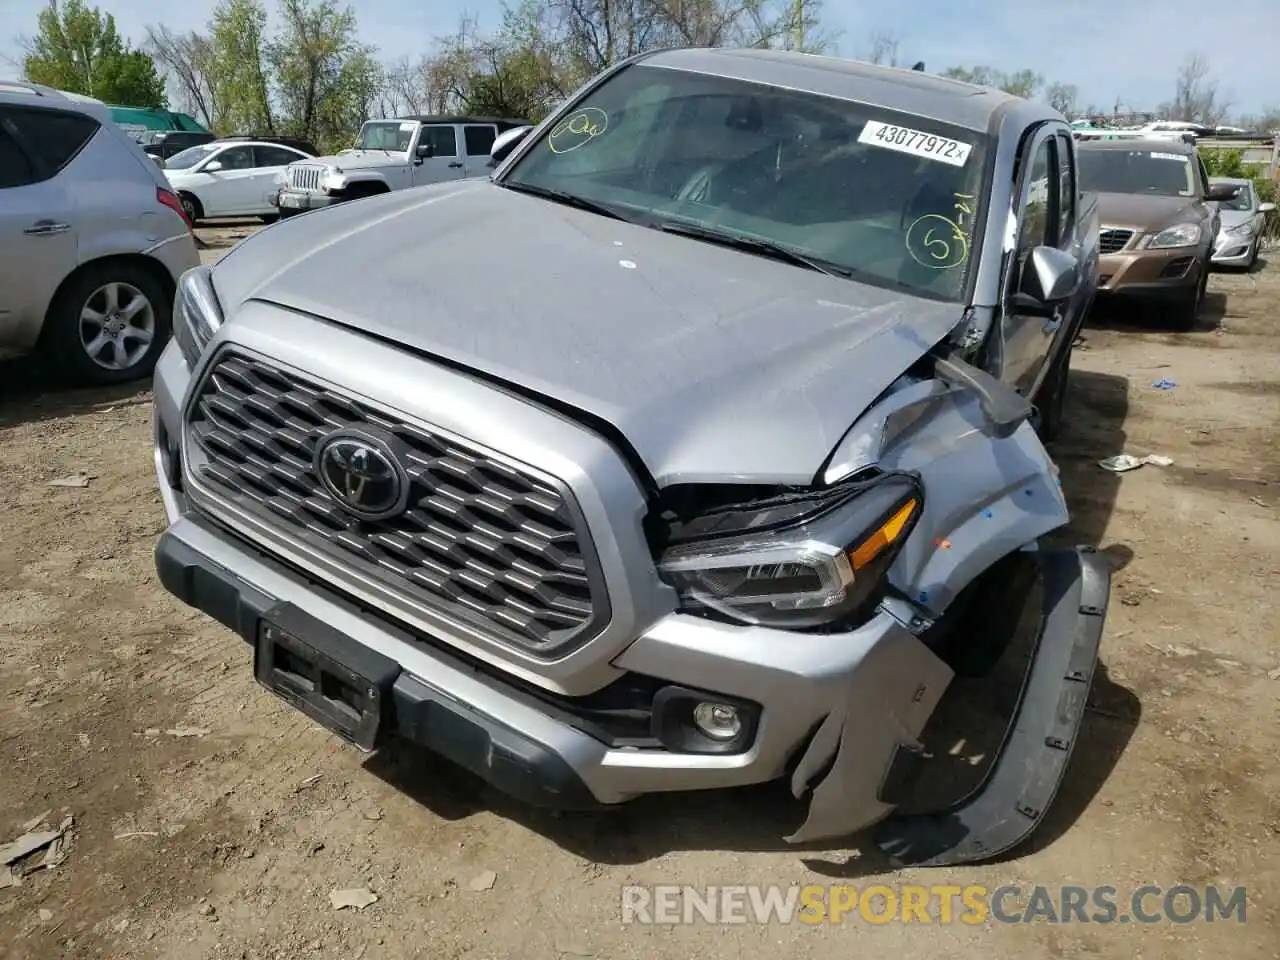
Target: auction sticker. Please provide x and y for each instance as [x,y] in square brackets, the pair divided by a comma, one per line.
[1168,156]
[915,142]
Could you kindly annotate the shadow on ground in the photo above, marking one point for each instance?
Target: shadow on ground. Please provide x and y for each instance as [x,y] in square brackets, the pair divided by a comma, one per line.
[30,393]
[758,818]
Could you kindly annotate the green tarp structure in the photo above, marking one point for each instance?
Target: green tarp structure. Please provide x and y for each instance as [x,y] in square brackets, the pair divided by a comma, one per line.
[137,120]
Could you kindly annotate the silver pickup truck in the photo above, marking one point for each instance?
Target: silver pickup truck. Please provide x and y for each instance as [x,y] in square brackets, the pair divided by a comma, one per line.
[699,446]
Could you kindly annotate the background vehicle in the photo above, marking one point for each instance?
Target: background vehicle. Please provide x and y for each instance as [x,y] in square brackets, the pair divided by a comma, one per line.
[230,178]
[1243,222]
[165,143]
[719,479]
[137,121]
[1158,224]
[297,143]
[393,154]
[92,240]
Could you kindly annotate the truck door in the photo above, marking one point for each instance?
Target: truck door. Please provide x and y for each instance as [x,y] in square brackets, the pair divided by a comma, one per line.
[1026,337]
[478,139]
[443,158]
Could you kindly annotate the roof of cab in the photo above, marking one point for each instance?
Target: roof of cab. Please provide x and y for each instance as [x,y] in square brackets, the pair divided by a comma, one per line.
[907,91]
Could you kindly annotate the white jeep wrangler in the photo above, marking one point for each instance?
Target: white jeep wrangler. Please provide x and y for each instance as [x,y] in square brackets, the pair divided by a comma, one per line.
[391,155]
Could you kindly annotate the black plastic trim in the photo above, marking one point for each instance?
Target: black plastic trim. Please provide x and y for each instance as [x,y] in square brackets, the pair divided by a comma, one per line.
[507,759]
[1012,800]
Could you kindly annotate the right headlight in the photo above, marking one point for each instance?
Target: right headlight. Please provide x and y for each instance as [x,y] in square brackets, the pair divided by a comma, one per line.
[796,561]
[1181,235]
[197,315]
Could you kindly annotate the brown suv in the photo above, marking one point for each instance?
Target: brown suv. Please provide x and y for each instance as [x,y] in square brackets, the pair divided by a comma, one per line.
[1158,220]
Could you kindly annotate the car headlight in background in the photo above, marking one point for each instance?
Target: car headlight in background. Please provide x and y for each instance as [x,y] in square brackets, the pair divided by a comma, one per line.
[197,315]
[1240,229]
[1181,235]
[799,560]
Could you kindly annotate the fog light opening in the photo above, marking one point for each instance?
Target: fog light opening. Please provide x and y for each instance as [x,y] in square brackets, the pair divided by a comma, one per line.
[719,721]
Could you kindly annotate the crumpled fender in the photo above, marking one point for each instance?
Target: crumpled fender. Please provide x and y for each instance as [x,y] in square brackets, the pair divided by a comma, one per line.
[984,498]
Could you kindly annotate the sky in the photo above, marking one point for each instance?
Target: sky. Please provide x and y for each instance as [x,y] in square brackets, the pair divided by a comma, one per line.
[1126,49]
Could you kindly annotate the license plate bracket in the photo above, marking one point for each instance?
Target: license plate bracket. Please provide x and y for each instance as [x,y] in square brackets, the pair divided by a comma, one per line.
[326,674]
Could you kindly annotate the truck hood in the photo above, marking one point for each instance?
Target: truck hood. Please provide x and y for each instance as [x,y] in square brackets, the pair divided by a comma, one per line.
[1147,212]
[358,160]
[715,365]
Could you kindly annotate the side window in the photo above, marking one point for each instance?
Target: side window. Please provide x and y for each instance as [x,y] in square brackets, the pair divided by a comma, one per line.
[54,135]
[1036,219]
[1067,193]
[479,140]
[236,158]
[442,138]
[15,168]
[274,156]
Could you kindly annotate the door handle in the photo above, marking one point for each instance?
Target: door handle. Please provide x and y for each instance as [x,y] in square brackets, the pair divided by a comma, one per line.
[456,164]
[45,227]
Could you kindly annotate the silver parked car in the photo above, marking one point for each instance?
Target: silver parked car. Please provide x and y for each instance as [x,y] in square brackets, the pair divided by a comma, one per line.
[92,238]
[721,477]
[1243,219]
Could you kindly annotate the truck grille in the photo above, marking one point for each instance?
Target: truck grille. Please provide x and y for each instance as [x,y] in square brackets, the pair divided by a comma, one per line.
[482,540]
[1113,239]
[304,177]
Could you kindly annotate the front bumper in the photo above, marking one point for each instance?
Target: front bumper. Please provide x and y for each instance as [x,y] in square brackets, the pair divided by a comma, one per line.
[878,684]
[297,201]
[1149,272]
[1231,250]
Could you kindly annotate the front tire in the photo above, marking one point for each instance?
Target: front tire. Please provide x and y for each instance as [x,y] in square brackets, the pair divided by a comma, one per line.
[1186,309]
[1050,399]
[108,324]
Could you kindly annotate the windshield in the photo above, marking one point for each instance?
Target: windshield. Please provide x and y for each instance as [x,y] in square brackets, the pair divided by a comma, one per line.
[189,157]
[386,135]
[1241,201]
[886,198]
[1137,171]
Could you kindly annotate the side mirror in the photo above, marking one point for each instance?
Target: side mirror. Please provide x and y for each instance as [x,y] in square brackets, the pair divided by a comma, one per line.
[426,151]
[505,143]
[1221,192]
[1048,277]
[1266,207]
[213,166]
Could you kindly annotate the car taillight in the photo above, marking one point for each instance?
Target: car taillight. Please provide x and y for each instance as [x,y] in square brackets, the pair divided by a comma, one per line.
[171,201]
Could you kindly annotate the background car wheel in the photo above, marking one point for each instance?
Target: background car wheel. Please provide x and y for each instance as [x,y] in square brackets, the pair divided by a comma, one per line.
[1187,307]
[1253,255]
[269,217]
[109,324]
[191,204]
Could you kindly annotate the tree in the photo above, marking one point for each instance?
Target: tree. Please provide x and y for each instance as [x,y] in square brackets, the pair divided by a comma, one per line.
[326,81]
[187,61]
[1023,83]
[1196,96]
[884,50]
[1063,97]
[78,49]
[237,71]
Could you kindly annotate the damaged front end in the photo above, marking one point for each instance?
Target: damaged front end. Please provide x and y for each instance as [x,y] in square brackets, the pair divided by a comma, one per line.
[921,515]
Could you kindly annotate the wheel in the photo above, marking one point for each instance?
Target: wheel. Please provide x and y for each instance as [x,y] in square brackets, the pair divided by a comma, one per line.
[1186,309]
[108,324]
[269,218]
[1051,398]
[191,204]
[1253,255]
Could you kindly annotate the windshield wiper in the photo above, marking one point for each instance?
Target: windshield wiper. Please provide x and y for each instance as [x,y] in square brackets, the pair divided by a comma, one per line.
[766,248]
[568,199]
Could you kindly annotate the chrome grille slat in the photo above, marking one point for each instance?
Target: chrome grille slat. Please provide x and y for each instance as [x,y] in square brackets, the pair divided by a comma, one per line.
[305,176]
[481,540]
[1113,239]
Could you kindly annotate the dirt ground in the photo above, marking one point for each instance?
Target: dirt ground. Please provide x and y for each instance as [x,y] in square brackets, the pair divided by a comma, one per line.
[210,821]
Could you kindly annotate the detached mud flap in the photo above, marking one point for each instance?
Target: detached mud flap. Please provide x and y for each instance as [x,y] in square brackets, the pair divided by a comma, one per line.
[1009,804]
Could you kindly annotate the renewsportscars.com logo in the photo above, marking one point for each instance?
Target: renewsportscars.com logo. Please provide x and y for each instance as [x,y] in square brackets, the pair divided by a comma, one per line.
[941,904]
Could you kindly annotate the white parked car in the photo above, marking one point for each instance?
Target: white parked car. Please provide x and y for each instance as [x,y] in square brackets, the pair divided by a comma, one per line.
[230,178]
[92,239]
